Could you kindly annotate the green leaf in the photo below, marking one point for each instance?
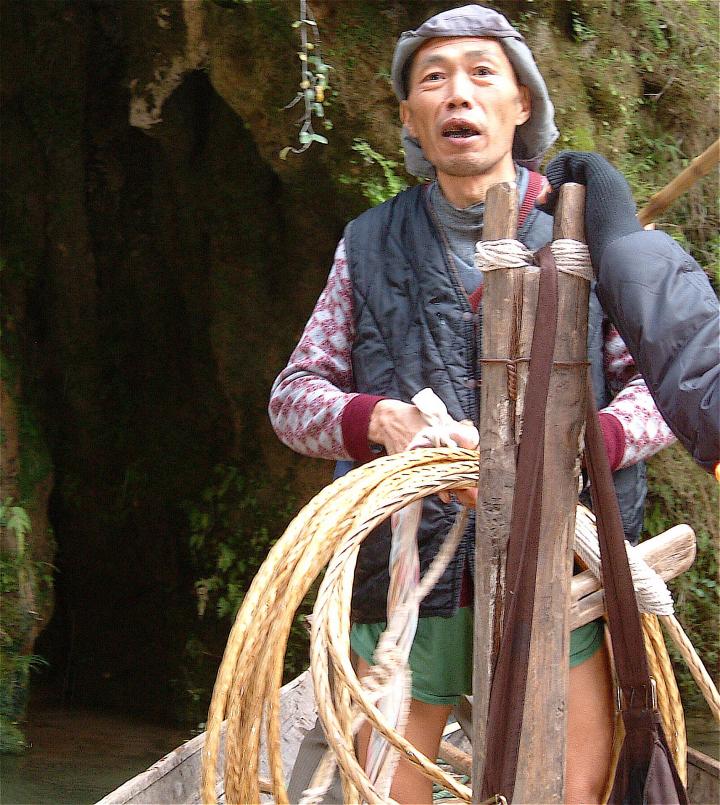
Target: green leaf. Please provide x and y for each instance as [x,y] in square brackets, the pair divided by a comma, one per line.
[304,137]
[318,109]
[226,558]
[318,138]
[284,153]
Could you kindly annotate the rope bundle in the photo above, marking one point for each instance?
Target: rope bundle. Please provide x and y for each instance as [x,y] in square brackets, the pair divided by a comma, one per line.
[247,689]
[571,256]
[330,529]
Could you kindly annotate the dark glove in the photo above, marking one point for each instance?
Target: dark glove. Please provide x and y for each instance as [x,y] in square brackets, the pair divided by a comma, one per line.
[609,206]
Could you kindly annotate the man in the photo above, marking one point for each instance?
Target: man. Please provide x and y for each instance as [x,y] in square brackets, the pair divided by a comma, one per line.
[660,299]
[401,312]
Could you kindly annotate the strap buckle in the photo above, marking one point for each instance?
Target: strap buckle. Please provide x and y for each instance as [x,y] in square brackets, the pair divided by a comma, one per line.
[622,703]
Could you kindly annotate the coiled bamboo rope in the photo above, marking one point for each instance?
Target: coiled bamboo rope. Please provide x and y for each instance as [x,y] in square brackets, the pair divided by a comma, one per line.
[330,529]
[668,695]
[248,683]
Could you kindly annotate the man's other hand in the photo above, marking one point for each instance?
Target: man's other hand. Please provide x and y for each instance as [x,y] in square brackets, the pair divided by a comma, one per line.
[609,206]
[394,424]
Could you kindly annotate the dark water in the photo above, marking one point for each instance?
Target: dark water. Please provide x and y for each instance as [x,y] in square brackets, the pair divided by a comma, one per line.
[79,756]
[703,732]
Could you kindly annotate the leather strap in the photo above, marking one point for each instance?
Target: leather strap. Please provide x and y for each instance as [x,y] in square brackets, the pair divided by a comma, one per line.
[622,612]
[507,694]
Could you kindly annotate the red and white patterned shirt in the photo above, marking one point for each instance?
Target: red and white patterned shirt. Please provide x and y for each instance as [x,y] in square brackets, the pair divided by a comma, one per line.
[315,410]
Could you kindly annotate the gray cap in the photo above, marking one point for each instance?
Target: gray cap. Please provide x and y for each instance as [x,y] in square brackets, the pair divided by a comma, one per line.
[532,138]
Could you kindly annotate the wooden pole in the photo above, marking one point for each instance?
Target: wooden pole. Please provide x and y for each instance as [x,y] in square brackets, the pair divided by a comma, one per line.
[509,303]
[497,448]
[541,775]
[699,167]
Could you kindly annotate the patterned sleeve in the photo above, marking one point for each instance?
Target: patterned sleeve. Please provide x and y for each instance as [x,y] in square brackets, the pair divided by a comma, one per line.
[309,395]
[645,431]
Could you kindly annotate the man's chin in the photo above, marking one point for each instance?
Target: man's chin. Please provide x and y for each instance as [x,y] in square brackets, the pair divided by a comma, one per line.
[467,165]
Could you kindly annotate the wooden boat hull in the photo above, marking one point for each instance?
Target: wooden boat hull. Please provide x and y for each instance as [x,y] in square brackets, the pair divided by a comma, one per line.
[176,777]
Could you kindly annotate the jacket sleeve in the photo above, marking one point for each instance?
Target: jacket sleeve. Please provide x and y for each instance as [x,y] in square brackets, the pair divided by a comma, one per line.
[668,315]
[314,408]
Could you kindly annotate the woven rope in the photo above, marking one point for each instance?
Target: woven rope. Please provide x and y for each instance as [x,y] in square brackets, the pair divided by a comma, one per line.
[571,256]
[651,592]
[330,530]
[668,695]
[694,663]
[492,254]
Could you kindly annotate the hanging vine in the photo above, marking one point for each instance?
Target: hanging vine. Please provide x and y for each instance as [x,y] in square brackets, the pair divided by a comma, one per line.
[313,84]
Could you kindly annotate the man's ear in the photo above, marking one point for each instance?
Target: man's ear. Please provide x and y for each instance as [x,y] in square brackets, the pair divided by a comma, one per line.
[406,118]
[525,108]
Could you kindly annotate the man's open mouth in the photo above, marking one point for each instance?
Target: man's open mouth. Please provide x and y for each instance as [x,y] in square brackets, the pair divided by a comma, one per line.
[459,129]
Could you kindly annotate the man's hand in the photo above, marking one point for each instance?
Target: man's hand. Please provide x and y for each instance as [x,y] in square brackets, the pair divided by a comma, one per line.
[609,206]
[394,424]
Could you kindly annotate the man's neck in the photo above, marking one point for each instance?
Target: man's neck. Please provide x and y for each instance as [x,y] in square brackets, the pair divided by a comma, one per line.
[464,191]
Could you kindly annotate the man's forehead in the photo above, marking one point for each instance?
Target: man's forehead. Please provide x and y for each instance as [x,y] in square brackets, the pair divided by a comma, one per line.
[463,43]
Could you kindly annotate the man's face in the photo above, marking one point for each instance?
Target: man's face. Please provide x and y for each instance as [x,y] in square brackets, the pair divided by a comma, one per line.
[464,104]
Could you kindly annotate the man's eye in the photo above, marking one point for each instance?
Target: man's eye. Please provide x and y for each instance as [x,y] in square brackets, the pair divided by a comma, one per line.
[433,77]
[482,71]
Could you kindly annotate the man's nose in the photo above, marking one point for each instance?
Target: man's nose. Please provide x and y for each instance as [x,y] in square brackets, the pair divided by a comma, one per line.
[460,91]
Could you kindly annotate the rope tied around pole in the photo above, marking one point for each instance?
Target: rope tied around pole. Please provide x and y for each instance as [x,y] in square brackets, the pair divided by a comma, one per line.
[651,591]
[571,257]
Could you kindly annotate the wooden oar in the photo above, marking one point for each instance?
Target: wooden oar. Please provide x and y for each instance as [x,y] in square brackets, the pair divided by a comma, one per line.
[699,167]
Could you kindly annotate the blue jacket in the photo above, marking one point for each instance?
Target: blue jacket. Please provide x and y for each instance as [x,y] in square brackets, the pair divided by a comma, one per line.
[668,315]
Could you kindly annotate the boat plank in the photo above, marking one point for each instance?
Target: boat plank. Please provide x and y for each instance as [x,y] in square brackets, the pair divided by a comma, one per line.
[175,778]
[703,778]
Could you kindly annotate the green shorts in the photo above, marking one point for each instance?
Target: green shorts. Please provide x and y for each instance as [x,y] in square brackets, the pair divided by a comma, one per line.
[441,654]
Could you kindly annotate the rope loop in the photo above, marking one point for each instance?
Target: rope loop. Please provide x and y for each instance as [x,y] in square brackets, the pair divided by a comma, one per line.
[651,591]
[507,253]
[572,257]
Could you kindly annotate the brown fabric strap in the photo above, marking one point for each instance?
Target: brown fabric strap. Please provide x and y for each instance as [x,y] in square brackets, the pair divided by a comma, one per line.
[623,616]
[507,694]
[646,771]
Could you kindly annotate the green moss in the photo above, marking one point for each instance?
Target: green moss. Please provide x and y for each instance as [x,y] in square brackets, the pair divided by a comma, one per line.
[374,174]
[16,571]
[12,740]
[25,583]
[579,138]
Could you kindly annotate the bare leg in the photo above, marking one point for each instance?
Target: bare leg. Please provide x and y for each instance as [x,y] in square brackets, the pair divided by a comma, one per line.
[424,730]
[590,730]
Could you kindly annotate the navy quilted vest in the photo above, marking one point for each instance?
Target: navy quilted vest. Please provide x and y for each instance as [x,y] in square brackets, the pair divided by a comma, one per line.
[415,329]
